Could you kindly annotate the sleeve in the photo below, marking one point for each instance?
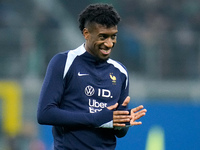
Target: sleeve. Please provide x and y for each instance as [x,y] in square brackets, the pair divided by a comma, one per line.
[124,90]
[49,113]
[121,132]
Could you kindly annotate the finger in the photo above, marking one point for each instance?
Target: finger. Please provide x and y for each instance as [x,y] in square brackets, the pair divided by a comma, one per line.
[121,120]
[119,124]
[112,106]
[126,101]
[140,112]
[121,113]
[137,108]
[138,116]
[122,117]
[135,123]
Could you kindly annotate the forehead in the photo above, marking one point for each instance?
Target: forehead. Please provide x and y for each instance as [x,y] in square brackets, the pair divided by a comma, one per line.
[103,29]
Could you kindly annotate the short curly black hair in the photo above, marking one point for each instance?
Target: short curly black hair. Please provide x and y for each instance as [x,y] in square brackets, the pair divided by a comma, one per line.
[100,13]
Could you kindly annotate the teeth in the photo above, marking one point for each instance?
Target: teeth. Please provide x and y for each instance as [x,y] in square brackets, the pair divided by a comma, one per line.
[105,51]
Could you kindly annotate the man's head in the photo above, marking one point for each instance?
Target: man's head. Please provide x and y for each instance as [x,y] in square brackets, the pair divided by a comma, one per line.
[103,14]
[98,23]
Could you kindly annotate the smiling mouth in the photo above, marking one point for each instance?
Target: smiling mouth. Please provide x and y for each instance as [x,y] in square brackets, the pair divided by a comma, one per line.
[105,52]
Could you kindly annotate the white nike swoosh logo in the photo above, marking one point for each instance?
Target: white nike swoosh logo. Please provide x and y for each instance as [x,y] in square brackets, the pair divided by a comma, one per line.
[82,74]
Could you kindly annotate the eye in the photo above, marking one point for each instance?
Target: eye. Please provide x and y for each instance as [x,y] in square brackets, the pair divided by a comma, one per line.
[113,37]
[103,36]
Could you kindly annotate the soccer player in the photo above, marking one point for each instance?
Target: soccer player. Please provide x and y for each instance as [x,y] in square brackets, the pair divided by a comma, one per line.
[85,93]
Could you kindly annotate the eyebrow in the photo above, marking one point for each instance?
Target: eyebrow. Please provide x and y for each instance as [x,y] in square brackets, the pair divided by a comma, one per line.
[107,34]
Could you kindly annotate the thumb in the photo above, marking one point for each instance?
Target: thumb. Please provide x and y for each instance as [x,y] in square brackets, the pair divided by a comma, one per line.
[126,101]
[113,106]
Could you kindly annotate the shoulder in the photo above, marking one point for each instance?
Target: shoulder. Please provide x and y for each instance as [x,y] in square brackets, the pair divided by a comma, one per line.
[67,56]
[71,55]
[119,66]
[58,59]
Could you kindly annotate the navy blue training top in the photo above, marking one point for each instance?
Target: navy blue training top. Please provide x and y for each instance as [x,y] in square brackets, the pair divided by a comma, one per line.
[76,91]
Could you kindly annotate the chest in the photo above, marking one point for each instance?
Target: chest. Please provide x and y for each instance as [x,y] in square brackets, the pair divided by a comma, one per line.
[99,81]
[92,87]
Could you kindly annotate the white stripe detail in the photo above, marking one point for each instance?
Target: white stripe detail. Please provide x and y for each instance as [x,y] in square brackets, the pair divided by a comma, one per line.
[107,125]
[121,69]
[72,54]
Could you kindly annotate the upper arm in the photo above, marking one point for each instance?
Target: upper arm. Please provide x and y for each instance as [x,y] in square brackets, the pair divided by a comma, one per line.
[53,85]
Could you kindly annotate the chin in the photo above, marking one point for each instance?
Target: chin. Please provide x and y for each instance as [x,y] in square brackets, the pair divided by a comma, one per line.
[104,58]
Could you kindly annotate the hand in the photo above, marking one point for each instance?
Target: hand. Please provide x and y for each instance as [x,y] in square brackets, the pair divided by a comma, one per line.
[137,113]
[119,117]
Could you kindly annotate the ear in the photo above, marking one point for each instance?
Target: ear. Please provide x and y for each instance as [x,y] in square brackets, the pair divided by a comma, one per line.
[86,33]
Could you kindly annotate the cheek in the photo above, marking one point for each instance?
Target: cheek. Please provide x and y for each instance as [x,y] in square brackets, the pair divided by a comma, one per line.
[97,44]
[92,41]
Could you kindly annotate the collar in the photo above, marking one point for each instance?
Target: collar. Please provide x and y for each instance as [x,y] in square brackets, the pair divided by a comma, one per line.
[91,57]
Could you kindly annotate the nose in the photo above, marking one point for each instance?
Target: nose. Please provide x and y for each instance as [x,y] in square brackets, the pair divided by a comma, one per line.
[109,43]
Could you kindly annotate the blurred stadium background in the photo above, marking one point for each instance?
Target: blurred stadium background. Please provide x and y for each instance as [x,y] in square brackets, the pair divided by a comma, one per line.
[158,41]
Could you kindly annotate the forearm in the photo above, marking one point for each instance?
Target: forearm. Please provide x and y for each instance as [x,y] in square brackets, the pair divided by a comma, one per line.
[121,131]
[57,116]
